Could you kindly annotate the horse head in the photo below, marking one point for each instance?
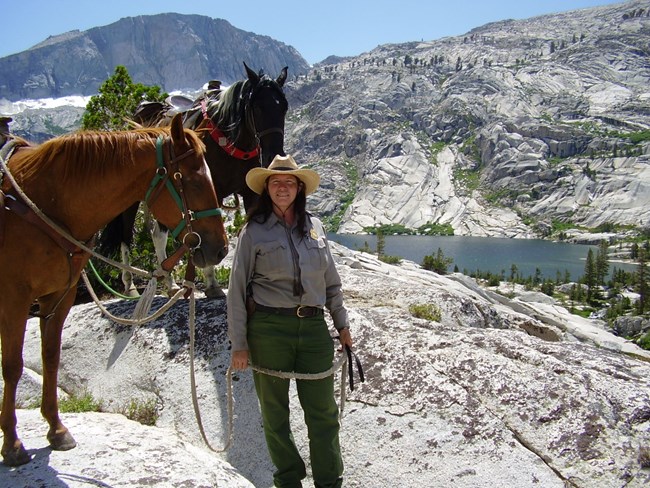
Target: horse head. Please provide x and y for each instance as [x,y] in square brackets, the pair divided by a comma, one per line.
[196,221]
[265,110]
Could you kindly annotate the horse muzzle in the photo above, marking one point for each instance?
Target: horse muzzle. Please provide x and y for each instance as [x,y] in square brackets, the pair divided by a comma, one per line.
[205,255]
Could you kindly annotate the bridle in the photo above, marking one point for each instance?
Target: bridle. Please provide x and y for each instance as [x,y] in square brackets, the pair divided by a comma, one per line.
[168,164]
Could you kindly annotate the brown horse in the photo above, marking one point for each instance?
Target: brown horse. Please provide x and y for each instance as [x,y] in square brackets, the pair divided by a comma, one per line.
[80,182]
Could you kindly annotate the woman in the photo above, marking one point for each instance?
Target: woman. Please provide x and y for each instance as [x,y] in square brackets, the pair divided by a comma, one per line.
[284,270]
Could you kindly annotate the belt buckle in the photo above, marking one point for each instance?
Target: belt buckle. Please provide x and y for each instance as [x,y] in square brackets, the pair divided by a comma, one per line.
[298,311]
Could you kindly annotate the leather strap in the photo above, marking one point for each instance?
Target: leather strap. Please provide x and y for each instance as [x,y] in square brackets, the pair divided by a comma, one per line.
[22,210]
[301,311]
[351,355]
[220,138]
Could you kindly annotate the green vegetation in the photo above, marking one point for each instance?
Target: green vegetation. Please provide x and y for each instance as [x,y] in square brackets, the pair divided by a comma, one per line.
[469,179]
[237,223]
[634,137]
[333,222]
[222,275]
[145,412]
[80,403]
[389,229]
[435,149]
[427,229]
[110,110]
[438,263]
[596,290]
[427,311]
[117,100]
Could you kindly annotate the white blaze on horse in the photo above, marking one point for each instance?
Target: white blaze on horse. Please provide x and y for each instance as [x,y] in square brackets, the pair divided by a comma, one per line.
[242,127]
[56,197]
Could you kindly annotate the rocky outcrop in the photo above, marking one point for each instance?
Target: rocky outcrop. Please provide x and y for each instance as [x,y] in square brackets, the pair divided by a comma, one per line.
[495,391]
[114,451]
[172,51]
[498,132]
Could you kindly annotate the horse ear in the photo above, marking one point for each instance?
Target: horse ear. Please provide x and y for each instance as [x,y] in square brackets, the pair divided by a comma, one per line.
[283,76]
[252,76]
[177,131]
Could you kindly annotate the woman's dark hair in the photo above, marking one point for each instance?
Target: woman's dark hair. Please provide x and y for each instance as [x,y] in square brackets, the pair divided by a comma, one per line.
[264,208]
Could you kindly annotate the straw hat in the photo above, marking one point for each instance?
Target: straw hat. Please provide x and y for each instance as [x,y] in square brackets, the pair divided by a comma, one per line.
[282,165]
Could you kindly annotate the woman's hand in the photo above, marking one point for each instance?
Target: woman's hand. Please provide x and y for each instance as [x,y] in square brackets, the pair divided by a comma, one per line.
[345,338]
[239,359]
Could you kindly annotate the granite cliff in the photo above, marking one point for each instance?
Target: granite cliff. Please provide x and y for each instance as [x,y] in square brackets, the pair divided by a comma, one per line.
[173,51]
[500,132]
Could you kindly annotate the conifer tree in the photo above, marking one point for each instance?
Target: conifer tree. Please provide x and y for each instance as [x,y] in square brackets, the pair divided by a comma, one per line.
[602,264]
[642,286]
[117,100]
[590,278]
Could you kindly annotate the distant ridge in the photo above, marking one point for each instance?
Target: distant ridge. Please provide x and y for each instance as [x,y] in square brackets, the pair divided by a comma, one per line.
[171,50]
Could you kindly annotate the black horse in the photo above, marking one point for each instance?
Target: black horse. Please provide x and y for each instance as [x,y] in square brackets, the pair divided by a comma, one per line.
[242,127]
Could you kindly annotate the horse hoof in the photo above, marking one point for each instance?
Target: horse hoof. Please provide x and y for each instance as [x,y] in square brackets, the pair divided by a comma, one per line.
[172,290]
[16,456]
[214,292]
[132,292]
[61,441]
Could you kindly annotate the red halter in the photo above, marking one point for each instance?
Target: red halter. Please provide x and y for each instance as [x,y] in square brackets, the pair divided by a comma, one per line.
[220,138]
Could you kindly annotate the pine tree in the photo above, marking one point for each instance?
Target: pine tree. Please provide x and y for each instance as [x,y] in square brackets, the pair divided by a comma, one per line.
[642,286]
[381,243]
[602,264]
[117,100]
[590,276]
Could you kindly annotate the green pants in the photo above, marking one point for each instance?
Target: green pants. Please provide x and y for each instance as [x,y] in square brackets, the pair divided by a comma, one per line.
[292,344]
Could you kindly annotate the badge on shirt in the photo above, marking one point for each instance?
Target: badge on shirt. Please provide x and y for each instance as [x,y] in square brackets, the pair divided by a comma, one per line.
[313,234]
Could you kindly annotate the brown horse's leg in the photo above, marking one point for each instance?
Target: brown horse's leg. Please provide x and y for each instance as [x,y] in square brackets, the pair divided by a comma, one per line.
[12,335]
[58,436]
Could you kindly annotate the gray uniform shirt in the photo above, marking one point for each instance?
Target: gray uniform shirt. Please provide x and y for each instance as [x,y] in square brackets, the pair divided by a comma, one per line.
[263,258]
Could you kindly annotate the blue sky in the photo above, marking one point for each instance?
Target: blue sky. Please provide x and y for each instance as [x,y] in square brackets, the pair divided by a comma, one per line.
[316,29]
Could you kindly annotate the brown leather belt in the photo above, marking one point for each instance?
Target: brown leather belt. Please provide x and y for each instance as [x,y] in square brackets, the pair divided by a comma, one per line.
[303,311]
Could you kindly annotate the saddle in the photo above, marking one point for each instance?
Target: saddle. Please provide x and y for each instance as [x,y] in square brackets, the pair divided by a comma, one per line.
[157,114]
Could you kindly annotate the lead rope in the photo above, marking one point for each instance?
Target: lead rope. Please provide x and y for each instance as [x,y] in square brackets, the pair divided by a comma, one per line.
[136,321]
[339,363]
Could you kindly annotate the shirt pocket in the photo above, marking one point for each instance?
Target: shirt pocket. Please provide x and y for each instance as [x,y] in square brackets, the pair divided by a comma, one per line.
[272,259]
[317,250]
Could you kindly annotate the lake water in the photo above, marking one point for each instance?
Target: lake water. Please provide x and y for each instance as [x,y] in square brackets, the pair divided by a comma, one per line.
[487,253]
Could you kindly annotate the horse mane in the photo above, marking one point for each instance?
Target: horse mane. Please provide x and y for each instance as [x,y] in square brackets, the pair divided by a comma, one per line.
[231,110]
[95,152]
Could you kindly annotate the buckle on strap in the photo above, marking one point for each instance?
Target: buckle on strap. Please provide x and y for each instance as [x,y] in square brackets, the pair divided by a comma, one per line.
[308,310]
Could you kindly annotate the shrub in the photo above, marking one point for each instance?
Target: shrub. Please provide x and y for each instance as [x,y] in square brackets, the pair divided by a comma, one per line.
[390,259]
[427,311]
[644,343]
[144,412]
[438,263]
[79,404]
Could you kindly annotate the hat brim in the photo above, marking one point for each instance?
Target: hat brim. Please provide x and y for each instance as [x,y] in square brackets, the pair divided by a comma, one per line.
[256,178]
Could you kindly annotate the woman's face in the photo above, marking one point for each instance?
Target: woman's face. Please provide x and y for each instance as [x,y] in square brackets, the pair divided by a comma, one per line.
[283,190]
